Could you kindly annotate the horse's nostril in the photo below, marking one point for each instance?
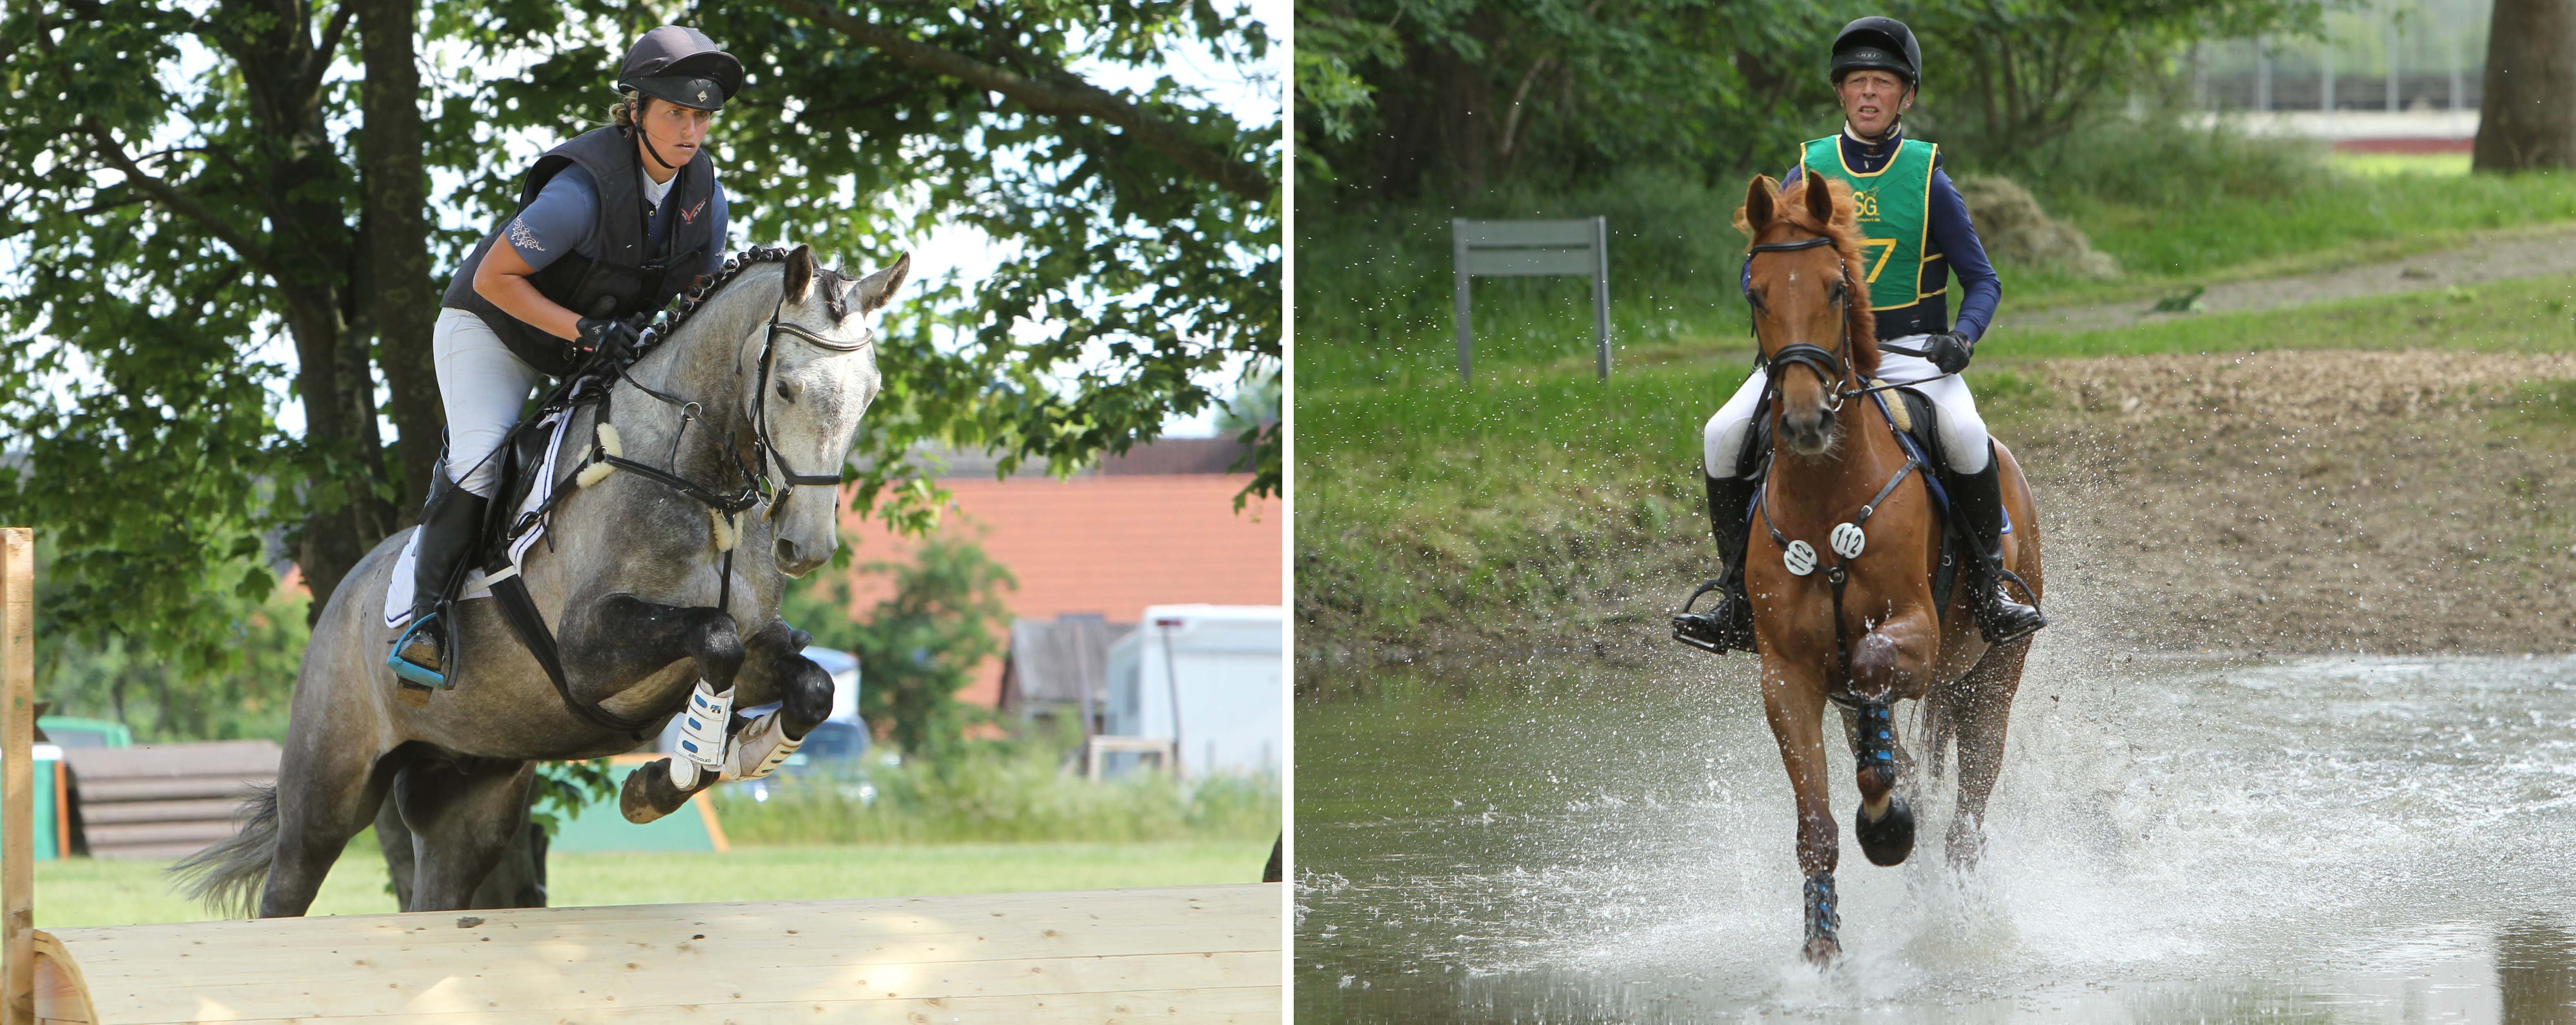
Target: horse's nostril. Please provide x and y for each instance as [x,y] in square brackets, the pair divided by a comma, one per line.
[787,551]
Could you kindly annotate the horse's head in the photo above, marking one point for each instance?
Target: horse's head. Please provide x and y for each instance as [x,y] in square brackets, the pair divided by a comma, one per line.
[819,376]
[1810,308]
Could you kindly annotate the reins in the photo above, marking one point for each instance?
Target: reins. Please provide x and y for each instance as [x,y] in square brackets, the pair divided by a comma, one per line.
[1848,538]
[757,487]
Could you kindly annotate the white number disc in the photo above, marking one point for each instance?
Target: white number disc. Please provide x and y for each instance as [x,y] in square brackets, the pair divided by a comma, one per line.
[1800,557]
[1848,540]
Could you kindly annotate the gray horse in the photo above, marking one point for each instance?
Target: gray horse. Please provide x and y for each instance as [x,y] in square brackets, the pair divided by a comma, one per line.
[628,576]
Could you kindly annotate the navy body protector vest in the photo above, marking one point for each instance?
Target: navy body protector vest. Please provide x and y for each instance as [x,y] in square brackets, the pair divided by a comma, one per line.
[623,274]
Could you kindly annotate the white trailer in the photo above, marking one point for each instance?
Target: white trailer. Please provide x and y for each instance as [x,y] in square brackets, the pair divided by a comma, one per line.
[1222,667]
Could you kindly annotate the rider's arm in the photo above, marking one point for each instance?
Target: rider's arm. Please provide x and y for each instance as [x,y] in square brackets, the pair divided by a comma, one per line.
[1956,239]
[548,228]
[723,218]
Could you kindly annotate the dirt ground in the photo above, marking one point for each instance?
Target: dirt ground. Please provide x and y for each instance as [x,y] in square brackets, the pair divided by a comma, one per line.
[2499,256]
[2307,502]
[2203,507]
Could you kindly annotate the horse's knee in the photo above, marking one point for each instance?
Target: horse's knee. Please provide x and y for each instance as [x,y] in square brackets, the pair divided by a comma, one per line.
[718,649]
[804,694]
[1878,664]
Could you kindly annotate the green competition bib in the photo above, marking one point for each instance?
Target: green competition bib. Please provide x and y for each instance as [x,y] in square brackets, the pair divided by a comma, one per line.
[1893,220]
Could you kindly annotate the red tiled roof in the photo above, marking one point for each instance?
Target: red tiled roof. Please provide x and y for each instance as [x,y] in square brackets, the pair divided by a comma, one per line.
[1105,544]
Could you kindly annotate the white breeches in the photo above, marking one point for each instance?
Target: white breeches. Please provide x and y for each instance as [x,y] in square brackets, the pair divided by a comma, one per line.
[1962,431]
[483,386]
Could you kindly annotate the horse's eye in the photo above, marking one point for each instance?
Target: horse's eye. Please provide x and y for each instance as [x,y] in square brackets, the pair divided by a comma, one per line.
[786,391]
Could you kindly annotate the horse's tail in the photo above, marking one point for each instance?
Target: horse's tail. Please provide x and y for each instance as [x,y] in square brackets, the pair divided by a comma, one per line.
[228,876]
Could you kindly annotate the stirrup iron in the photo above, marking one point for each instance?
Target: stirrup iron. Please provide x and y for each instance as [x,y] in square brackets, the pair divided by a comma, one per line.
[413,672]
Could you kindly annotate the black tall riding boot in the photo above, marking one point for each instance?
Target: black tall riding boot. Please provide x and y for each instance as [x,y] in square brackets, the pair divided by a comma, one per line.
[450,524]
[1728,625]
[1980,500]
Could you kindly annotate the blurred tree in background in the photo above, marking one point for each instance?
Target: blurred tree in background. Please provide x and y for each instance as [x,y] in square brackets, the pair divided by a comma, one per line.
[918,648]
[1443,98]
[207,204]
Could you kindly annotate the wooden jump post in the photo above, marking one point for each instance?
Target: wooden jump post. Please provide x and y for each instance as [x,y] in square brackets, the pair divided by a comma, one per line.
[1195,953]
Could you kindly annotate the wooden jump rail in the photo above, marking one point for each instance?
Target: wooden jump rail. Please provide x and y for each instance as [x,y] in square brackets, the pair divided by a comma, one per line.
[1200,954]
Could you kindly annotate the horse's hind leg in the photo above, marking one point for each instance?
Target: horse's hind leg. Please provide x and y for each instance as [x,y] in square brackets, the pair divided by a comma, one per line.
[1980,704]
[328,789]
[463,815]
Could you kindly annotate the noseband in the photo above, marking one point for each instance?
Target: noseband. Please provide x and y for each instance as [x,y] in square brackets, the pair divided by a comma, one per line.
[1832,366]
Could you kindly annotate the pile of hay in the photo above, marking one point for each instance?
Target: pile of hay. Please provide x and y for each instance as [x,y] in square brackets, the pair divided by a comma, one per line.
[2016,231]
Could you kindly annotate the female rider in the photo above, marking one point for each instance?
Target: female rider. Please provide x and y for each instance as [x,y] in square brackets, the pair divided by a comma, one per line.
[612,224]
[1919,233]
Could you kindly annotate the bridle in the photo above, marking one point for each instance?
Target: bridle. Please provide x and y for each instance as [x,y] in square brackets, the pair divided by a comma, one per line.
[1835,366]
[758,486]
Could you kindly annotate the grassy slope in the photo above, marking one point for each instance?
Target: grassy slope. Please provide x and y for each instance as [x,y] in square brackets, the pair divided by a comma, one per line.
[1435,513]
[89,892]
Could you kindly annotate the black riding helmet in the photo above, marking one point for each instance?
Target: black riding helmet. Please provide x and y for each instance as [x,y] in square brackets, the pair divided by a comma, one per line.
[1884,44]
[683,66]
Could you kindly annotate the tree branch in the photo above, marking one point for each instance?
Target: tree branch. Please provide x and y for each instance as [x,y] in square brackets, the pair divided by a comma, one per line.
[1066,95]
[178,201]
[330,45]
[16,230]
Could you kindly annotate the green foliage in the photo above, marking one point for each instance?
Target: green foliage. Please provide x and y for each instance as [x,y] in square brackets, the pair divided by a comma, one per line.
[1000,791]
[917,649]
[115,675]
[1408,99]
[563,789]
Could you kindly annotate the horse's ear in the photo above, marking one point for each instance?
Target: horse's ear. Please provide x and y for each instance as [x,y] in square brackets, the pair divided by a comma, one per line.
[876,289]
[1761,198]
[1820,198]
[800,273]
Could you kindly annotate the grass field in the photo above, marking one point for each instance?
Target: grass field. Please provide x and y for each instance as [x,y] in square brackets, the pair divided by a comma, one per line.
[84,891]
[1374,291]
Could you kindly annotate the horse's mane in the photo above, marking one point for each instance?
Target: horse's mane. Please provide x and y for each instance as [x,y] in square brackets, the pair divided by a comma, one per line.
[734,265]
[1790,211]
[696,298]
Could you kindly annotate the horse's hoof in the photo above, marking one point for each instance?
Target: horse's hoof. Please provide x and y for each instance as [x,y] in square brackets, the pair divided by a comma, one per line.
[649,793]
[1823,951]
[1888,840]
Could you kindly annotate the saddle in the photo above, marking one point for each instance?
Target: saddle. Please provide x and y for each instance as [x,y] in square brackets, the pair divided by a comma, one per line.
[1915,421]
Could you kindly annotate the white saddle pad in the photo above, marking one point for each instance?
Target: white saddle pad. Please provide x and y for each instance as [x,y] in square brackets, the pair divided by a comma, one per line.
[398,591]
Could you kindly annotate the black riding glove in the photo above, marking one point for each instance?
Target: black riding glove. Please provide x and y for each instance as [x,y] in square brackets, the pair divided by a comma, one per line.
[1947,350]
[613,338]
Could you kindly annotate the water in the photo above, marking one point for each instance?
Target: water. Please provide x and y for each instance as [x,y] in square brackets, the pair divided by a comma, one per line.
[2332,840]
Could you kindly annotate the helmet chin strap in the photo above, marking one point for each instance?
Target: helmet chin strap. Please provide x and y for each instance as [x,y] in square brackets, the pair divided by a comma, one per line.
[640,133]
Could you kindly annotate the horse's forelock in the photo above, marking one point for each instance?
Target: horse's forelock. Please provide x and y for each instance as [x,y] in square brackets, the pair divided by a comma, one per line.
[1792,220]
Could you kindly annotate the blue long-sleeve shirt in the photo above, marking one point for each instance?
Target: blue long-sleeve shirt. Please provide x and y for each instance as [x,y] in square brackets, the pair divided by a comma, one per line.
[1951,249]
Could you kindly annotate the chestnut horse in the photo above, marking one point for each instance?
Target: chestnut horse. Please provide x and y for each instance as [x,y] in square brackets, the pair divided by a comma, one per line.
[1845,542]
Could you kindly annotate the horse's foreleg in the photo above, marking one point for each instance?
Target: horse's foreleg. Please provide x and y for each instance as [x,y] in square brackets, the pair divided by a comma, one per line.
[1795,706]
[1980,706]
[1889,662]
[804,694]
[624,639]
[463,816]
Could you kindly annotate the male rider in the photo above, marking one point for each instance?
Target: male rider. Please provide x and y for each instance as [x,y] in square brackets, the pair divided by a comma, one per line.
[1917,235]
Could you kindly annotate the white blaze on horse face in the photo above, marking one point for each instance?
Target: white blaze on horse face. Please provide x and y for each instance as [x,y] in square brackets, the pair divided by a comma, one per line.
[816,398]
